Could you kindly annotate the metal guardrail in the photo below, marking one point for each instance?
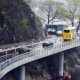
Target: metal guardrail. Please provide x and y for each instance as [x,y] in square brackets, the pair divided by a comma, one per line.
[5,57]
[24,44]
[48,51]
[8,56]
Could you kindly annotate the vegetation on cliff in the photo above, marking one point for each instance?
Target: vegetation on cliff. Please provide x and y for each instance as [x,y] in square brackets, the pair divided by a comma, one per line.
[18,22]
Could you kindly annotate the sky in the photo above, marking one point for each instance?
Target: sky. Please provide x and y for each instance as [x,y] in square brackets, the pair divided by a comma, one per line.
[36,3]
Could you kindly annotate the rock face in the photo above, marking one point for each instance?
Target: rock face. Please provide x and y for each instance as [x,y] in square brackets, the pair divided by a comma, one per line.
[18,22]
[72,63]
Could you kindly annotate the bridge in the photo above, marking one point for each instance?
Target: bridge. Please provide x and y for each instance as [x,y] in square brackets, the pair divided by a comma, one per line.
[19,60]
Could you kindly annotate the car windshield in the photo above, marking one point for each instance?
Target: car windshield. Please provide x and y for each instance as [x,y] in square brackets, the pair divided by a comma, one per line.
[24,48]
[66,31]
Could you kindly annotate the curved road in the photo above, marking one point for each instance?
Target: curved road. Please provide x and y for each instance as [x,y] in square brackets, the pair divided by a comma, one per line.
[35,54]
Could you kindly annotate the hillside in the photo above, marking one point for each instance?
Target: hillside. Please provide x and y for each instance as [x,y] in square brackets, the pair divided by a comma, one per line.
[72,63]
[18,22]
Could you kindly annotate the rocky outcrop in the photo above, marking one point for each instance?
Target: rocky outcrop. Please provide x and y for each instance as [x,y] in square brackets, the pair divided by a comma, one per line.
[72,63]
[18,22]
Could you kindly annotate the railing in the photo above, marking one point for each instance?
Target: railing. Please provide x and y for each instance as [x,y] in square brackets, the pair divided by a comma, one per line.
[24,45]
[8,56]
[42,53]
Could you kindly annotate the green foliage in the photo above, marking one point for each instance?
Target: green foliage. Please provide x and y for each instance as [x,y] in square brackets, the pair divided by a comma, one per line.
[2,13]
[24,23]
[63,13]
[24,1]
[69,11]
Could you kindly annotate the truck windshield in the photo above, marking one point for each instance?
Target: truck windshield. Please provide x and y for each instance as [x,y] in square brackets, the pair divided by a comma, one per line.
[67,31]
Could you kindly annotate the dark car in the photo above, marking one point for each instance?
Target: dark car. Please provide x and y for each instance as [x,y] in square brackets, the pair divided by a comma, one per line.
[24,50]
[46,44]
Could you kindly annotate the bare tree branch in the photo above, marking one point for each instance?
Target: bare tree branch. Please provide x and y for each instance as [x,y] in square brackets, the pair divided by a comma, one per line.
[51,8]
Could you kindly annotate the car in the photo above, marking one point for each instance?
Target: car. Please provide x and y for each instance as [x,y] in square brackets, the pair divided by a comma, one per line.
[24,50]
[46,44]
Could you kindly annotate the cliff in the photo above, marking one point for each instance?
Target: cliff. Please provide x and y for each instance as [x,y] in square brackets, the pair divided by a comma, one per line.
[18,22]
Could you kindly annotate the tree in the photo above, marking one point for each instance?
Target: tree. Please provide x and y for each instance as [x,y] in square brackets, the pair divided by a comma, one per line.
[78,15]
[69,11]
[50,9]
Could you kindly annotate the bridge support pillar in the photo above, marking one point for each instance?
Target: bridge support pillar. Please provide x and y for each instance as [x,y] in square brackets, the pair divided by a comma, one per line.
[61,66]
[22,73]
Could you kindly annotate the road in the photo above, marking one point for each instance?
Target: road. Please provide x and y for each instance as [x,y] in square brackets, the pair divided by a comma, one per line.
[38,47]
[56,41]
